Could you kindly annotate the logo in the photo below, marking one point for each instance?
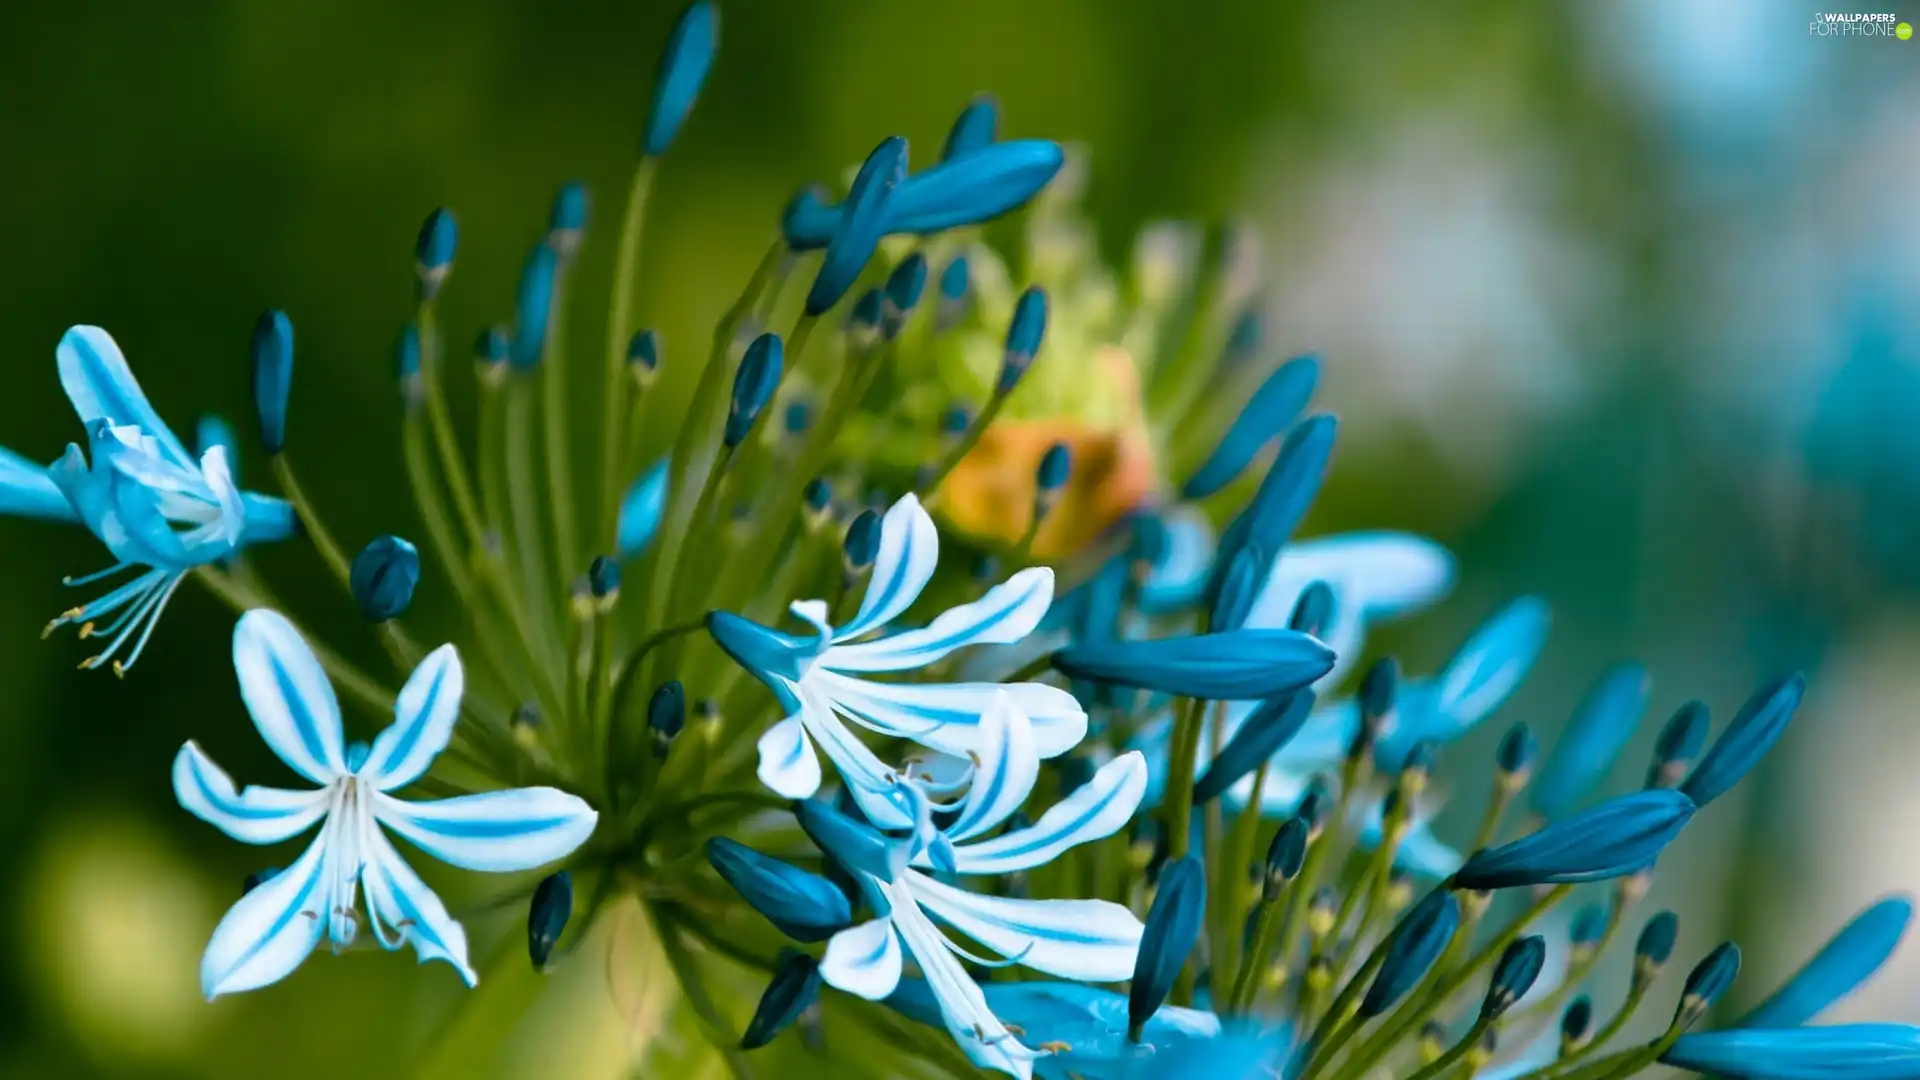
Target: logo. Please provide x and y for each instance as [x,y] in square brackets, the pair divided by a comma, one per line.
[1858,24]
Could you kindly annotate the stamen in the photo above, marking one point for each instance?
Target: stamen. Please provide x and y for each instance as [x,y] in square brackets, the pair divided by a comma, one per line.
[97,575]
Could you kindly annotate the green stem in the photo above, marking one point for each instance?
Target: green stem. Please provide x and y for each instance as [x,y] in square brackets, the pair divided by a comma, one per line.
[433,513]
[469,1044]
[555,399]
[1179,797]
[316,531]
[1459,1050]
[619,329]
[355,683]
[959,451]
[716,1028]
[524,509]
[1259,955]
[452,465]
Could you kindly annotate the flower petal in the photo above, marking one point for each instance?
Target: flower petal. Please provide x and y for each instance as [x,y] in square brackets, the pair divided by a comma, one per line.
[1089,940]
[909,552]
[27,491]
[270,930]
[398,900]
[1008,612]
[863,960]
[963,1007]
[787,764]
[258,815]
[289,696]
[1096,809]
[946,716]
[1008,769]
[101,386]
[423,721]
[494,831]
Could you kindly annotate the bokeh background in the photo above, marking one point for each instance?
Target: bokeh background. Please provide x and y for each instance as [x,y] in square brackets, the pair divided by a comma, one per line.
[1618,299]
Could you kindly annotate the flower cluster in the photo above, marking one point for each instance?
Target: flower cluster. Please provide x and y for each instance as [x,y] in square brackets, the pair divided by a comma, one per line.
[719,671]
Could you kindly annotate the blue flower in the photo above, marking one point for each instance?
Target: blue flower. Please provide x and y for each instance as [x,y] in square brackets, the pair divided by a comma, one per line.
[1849,1051]
[683,70]
[1236,665]
[383,577]
[802,905]
[1617,837]
[1088,940]
[1268,413]
[274,927]
[977,128]
[154,506]
[964,190]
[858,231]
[1846,961]
[1084,1027]
[817,680]
[1752,732]
[1602,723]
[641,510]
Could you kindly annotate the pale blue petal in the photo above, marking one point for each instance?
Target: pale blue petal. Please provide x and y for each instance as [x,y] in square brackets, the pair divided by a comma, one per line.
[641,510]
[424,716]
[863,960]
[872,783]
[1089,940]
[27,491]
[1007,613]
[1098,808]
[788,766]
[946,716]
[1006,774]
[257,815]
[267,518]
[399,903]
[101,386]
[494,831]
[289,696]
[265,935]
[1382,573]
[963,1008]
[909,552]
[1179,579]
[1485,671]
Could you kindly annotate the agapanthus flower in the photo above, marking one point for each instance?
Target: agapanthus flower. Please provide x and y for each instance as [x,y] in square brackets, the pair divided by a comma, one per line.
[159,510]
[276,925]
[818,682]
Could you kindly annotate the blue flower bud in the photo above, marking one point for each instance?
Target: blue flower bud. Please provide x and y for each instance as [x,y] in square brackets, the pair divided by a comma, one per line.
[641,510]
[1515,756]
[1287,490]
[1576,1024]
[568,218]
[955,421]
[1313,612]
[1173,927]
[754,384]
[666,714]
[1055,465]
[1024,334]
[643,357]
[1707,983]
[1268,414]
[1589,926]
[1601,725]
[863,322]
[433,251]
[684,64]
[490,352]
[533,307]
[1848,959]
[795,989]
[1238,665]
[1514,974]
[525,725]
[863,541]
[1654,947]
[1240,585]
[1271,725]
[977,128]
[1379,692]
[406,365]
[862,223]
[272,355]
[955,280]
[1617,837]
[904,286]
[1284,857]
[214,431]
[964,191]
[1853,1051]
[1314,804]
[547,916]
[258,878]
[1243,341]
[818,497]
[797,417]
[853,843]
[802,905]
[1679,743]
[1416,943]
[1754,730]
[603,580]
[383,578]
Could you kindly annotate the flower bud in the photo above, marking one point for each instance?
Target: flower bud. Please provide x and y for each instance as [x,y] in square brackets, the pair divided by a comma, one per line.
[1172,929]
[1284,857]
[862,544]
[863,322]
[955,284]
[1752,732]
[603,582]
[802,905]
[490,352]
[684,64]
[641,510]
[863,221]
[1314,610]
[525,725]
[547,916]
[795,988]
[1418,767]
[1515,757]
[666,715]
[433,251]
[383,577]
[1584,936]
[406,366]
[902,293]
[1706,984]
[1379,688]
[1024,335]
[1576,1025]
[272,354]
[754,384]
[1514,974]
[567,221]
[1654,947]
[533,307]
[643,358]
[1411,950]
[977,128]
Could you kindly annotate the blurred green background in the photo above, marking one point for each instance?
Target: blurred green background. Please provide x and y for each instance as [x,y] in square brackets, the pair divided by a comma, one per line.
[1617,299]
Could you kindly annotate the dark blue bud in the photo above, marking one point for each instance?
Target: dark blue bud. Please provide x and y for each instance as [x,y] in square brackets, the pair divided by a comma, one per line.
[525,721]
[1314,804]
[863,322]
[955,280]
[1267,415]
[214,431]
[1416,943]
[491,349]
[1679,744]
[666,713]
[1272,724]
[797,417]
[754,384]
[433,251]
[1754,730]
[863,541]
[852,842]
[603,578]
[1055,465]
[383,577]
[1654,947]
[1419,765]
[406,364]
[795,989]
[643,357]
[533,307]
[862,223]
[568,218]
[904,286]
[1517,751]
[258,878]
[1589,926]
[955,421]
[684,64]
[1173,927]
[977,128]
[1848,959]
[1853,1051]
[641,510]
[1288,489]
[1620,836]
[547,916]
[1514,975]
[1576,1023]
[804,906]
[1379,690]
[1313,612]
[1238,665]
[1024,334]
[1284,856]
[758,648]
[818,496]
[272,355]
[1239,587]
[1601,725]
[1707,983]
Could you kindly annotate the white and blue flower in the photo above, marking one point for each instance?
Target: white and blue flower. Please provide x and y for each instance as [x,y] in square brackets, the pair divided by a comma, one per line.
[159,510]
[280,921]
[819,678]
